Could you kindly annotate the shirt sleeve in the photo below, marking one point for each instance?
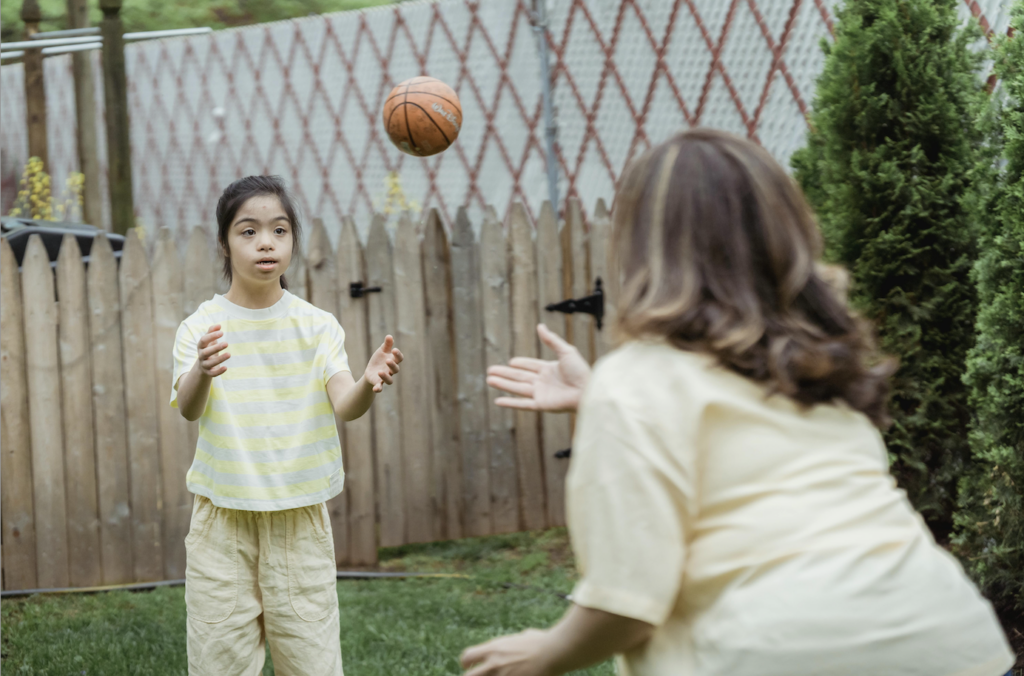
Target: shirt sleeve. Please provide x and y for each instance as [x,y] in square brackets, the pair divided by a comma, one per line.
[337,358]
[183,356]
[627,498]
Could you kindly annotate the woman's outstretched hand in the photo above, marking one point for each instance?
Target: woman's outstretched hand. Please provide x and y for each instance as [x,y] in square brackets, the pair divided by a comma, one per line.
[554,386]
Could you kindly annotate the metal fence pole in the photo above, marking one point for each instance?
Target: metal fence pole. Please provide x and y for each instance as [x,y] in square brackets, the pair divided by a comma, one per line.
[540,28]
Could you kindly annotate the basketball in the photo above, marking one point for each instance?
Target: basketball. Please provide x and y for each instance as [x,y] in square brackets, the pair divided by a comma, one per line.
[422,116]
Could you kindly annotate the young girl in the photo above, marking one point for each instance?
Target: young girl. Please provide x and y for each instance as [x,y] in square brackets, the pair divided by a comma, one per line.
[260,552]
[729,500]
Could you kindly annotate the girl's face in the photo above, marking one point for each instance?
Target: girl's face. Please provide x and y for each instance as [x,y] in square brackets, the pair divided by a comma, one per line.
[260,242]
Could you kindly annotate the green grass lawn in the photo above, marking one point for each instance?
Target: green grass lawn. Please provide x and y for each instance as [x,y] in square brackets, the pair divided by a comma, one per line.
[388,627]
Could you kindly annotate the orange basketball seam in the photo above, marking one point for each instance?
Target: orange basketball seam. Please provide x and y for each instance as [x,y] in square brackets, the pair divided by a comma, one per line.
[429,117]
[408,129]
[452,103]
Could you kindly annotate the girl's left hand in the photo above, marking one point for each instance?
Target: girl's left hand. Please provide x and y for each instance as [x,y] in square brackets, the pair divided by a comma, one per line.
[520,654]
[383,365]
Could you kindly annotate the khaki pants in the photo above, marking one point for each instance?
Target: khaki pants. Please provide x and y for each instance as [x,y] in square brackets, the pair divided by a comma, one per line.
[256,576]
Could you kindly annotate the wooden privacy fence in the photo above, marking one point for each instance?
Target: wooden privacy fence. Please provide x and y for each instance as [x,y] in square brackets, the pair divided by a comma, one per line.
[94,458]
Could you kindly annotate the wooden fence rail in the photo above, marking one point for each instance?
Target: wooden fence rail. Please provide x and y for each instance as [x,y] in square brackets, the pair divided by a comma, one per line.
[93,466]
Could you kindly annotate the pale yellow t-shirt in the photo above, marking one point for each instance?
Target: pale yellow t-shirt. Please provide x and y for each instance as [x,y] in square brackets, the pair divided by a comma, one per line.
[758,537]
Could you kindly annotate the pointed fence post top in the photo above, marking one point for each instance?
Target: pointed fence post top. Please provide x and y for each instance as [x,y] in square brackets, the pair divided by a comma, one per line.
[406,228]
[547,217]
[517,216]
[433,220]
[463,232]
[349,237]
[319,246]
[69,249]
[100,247]
[378,232]
[35,249]
[601,210]
[574,211]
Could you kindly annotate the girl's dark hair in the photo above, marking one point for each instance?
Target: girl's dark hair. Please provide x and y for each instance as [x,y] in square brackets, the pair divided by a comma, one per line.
[236,194]
[718,253]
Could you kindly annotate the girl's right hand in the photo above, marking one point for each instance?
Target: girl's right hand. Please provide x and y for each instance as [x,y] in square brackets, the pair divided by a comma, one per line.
[209,359]
[554,386]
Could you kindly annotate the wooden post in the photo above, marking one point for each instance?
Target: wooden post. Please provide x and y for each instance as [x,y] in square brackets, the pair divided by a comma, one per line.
[387,419]
[200,282]
[115,93]
[576,275]
[469,366]
[19,530]
[140,395]
[600,263]
[45,420]
[414,384]
[109,413]
[168,303]
[35,89]
[496,300]
[323,293]
[532,491]
[556,427]
[358,445]
[85,111]
[437,286]
[83,523]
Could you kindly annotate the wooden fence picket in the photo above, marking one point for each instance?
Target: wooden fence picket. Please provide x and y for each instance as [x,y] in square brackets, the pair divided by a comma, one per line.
[469,367]
[447,461]
[600,248]
[200,286]
[109,414]
[556,427]
[85,564]
[413,384]
[357,448]
[44,407]
[580,283]
[297,276]
[497,330]
[387,419]
[140,398]
[532,491]
[18,514]
[168,309]
[323,293]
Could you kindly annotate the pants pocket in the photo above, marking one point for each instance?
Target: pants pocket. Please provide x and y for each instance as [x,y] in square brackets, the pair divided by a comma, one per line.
[211,570]
[312,573]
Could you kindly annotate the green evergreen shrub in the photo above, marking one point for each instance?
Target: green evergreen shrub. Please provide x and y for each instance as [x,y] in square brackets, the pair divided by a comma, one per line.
[887,167]
[990,524]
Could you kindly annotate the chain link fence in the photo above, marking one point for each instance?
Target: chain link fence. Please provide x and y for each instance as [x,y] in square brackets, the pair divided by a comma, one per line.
[303,99]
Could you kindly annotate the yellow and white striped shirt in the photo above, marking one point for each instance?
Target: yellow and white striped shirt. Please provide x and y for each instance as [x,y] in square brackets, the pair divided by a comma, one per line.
[268,439]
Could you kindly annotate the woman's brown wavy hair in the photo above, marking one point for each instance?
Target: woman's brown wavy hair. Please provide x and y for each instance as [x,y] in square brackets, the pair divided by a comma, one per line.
[718,252]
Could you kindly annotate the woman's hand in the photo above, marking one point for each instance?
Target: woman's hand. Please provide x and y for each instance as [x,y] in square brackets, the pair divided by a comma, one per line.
[554,386]
[584,636]
[383,365]
[514,655]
